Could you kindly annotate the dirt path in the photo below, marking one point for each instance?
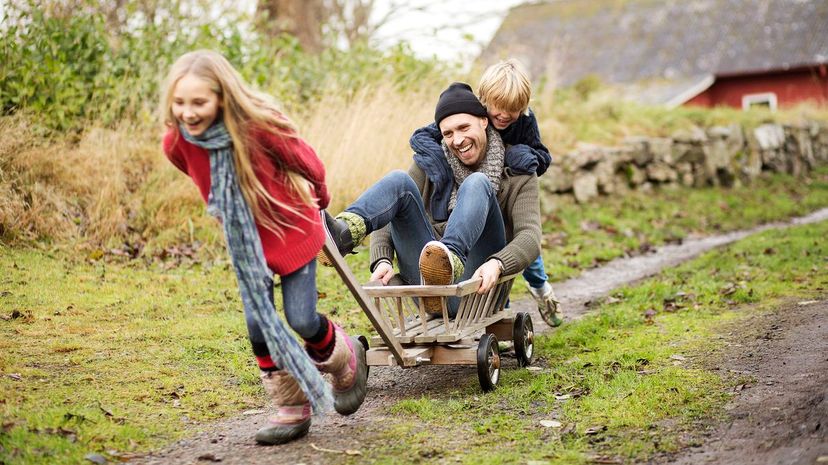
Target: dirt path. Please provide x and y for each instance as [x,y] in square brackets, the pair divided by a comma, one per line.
[232,442]
[781,415]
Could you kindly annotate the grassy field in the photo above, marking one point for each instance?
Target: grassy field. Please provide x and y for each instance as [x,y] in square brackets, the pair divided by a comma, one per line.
[583,236]
[624,383]
[101,352]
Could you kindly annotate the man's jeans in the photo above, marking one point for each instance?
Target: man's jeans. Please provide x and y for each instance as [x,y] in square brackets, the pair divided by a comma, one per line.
[474,230]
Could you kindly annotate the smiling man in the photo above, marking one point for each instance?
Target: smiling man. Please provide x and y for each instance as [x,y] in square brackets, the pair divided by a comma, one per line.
[486,222]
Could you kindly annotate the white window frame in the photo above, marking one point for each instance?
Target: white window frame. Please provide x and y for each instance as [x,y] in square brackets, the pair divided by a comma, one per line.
[763,97]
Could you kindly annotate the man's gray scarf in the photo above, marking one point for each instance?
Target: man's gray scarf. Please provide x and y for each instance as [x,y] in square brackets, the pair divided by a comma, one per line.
[227,203]
[491,165]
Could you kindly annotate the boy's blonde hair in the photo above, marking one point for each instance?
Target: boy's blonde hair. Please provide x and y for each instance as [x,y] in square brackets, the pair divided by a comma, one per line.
[242,110]
[505,85]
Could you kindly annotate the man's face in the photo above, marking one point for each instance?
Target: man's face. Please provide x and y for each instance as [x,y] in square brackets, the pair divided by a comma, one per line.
[465,136]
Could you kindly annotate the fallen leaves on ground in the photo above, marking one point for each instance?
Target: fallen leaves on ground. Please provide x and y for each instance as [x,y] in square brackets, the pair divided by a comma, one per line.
[593,430]
[351,452]
[96,458]
[649,316]
[551,423]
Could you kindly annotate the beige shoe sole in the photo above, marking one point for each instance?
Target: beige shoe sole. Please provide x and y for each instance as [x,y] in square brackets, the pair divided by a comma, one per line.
[435,269]
[323,258]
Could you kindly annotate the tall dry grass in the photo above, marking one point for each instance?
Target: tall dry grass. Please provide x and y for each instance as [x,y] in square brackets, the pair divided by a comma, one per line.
[102,187]
[363,138]
[109,186]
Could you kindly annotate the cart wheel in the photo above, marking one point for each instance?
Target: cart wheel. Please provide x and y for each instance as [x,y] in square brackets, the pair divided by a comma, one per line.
[523,334]
[488,362]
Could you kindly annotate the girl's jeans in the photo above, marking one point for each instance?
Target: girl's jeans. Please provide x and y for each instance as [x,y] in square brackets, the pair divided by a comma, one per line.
[474,230]
[299,301]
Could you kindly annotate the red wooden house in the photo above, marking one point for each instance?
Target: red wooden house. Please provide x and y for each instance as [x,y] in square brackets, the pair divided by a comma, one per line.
[697,52]
[773,88]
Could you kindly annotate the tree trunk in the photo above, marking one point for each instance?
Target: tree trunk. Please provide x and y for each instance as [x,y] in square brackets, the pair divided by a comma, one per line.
[302,19]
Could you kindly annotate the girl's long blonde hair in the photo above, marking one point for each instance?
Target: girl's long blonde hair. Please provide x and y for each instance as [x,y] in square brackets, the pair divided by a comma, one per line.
[243,110]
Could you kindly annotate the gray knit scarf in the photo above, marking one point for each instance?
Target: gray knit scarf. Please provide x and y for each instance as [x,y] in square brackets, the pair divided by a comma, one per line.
[491,166]
[227,203]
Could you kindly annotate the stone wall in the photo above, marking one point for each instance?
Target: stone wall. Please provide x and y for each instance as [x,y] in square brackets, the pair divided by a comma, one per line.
[719,156]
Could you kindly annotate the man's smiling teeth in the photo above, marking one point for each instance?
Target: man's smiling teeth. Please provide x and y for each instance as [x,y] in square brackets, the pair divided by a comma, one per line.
[464,149]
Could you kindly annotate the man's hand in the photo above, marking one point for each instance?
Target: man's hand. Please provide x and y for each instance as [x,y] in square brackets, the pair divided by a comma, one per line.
[383,272]
[490,272]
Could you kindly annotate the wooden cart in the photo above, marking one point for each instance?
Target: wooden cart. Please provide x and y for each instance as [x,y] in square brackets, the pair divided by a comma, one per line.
[407,336]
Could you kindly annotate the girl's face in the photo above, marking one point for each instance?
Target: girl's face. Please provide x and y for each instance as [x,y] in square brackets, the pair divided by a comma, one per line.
[502,118]
[195,104]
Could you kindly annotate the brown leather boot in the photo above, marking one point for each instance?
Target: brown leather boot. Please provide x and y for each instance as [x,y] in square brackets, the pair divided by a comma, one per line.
[293,415]
[349,372]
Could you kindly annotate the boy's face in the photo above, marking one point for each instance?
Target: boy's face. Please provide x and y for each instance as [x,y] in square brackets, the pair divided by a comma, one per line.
[194,104]
[501,118]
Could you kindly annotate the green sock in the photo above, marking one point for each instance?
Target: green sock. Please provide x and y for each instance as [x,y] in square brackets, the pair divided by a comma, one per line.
[457,266]
[356,225]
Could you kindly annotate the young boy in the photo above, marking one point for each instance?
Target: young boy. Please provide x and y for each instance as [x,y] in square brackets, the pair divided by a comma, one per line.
[505,92]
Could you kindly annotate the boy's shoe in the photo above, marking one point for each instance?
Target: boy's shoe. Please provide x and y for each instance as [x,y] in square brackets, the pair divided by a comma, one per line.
[345,232]
[293,414]
[349,372]
[438,266]
[549,306]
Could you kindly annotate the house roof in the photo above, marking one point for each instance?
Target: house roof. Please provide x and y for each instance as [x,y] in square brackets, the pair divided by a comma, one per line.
[628,41]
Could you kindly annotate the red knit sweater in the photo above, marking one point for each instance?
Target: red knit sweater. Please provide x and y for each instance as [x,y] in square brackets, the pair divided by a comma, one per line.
[296,248]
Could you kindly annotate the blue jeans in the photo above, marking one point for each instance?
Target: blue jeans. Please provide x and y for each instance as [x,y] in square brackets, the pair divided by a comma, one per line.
[535,274]
[299,301]
[474,230]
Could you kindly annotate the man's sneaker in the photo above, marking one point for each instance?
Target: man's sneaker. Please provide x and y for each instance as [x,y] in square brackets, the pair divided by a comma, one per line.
[344,235]
[549,306]
[438,266]
[293,411]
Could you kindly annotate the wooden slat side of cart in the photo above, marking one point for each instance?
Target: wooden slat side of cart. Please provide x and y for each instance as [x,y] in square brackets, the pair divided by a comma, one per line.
[408,336]
[436,338]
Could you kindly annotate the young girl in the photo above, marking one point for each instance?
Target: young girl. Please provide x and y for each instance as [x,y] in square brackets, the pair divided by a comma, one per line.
[266,186]
[505,91]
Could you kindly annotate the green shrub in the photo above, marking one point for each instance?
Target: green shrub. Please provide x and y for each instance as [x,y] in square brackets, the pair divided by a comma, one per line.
[70,69]
[51,66]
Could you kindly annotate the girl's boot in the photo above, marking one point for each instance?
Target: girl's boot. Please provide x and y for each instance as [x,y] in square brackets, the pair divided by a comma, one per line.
[293,415]
[349,372]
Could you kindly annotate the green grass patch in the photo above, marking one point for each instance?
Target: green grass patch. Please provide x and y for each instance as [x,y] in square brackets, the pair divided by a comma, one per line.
[98,356]
[626,382]
[577,237]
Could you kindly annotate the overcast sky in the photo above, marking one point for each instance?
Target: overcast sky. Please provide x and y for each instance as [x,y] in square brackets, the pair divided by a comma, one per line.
[447,29]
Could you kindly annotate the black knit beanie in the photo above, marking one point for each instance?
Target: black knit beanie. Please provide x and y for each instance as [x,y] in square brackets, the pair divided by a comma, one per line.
[458,98]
